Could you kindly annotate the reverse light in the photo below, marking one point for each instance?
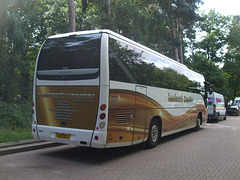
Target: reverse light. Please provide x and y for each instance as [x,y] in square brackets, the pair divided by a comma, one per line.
[102,125]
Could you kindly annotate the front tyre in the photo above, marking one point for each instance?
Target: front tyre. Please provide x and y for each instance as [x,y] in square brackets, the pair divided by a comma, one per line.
[225,117]
[217,119]
[153,135]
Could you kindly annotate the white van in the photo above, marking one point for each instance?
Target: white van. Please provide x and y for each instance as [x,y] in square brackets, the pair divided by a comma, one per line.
[216,107]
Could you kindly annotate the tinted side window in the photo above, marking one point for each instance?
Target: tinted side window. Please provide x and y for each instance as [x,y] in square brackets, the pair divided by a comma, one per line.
[133,65]
[127,64]
[120,57]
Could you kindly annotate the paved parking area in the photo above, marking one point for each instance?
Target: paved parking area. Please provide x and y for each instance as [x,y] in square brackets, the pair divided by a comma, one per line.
[211,153]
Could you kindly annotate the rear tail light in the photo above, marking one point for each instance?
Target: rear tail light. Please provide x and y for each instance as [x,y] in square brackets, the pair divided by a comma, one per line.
[103,107]
[33,112]
[102,116]
[214,108]
[33,108]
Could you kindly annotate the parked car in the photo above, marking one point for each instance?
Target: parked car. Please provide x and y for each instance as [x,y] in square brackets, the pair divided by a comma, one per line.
[233,110]
[216,107]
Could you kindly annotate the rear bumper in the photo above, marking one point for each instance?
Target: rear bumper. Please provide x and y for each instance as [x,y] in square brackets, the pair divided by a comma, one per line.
[80,137]
[233,113]
[212,116]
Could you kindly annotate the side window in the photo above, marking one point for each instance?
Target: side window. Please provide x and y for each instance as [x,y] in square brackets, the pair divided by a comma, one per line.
[121,59]
[128,64]
[131,64]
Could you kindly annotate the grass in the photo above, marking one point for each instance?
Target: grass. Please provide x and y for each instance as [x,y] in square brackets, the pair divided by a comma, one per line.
[9,135]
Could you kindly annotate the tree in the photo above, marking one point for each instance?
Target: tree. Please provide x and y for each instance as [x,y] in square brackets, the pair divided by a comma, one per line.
[108,11]
[234,35]
[71,12]
[215,26]
[233,75]
[181,15]
[160,25]
[212,73]
[232,57]
[17,22]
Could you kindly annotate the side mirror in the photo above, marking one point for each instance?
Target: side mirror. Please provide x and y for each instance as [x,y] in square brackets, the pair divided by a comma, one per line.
[210,89]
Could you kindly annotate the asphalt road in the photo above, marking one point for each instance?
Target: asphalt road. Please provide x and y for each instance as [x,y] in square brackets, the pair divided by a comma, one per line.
[211,153]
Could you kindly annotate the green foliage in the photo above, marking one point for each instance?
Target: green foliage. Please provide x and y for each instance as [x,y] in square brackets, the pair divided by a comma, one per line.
[232,71]
[232,58]
[220,43]
[234,35]
[212,73]
[216,27]
[15,116]
[17,22]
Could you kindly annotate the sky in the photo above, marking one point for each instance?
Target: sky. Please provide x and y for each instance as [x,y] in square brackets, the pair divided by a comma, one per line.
[224,7]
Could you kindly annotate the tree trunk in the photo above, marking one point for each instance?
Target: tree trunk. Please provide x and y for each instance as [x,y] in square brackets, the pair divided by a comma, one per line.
[172,30]
[84,5]
[181,55]
[108,10]
[175,50]
[71,12]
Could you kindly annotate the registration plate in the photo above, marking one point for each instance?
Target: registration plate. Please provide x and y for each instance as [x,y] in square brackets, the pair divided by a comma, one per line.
[63,136]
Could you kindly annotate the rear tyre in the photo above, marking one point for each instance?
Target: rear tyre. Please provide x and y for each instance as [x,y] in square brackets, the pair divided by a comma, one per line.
[197,128]
[153,135]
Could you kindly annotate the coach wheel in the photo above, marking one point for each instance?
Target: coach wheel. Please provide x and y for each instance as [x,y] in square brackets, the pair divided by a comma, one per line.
[153,135]
[197,128]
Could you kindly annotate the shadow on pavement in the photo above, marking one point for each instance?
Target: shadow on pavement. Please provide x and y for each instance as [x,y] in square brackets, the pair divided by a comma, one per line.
[92,155]
[96,156]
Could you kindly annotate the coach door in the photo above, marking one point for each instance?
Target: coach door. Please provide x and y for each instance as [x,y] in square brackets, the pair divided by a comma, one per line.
[140,113]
